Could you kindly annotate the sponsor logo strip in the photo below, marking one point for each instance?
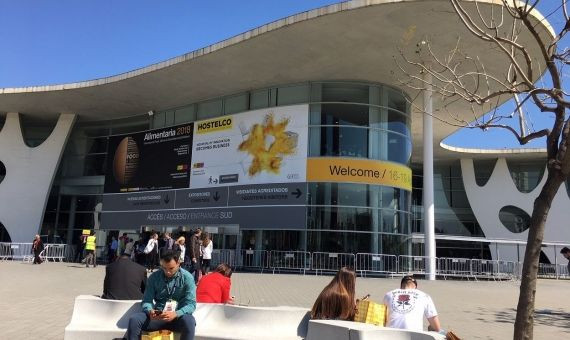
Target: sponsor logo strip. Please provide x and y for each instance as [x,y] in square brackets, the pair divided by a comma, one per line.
[218,124]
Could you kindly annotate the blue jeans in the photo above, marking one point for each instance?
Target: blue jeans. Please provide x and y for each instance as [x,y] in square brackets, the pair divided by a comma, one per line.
[141,322]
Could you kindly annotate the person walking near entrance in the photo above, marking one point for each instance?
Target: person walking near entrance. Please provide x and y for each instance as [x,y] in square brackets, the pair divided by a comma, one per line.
[113,246]
[90,250]
[207,247]
[194,253]
[151,251]
[180,247]
[37,248]
[566,253]
[80,248]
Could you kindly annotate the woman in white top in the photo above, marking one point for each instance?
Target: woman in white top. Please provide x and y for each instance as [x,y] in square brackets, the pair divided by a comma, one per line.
[151,251]
[206,249]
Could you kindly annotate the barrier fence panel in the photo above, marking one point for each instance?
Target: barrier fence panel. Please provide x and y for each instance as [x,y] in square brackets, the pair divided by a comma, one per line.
[562,271]
[412,264]
[54,252]
[331,262]
[454,267]
[547,271]
[507,270]
[484,268]
[18,251]
[376,263]
[253,259]
[290,260]
[4,250]
[227,256]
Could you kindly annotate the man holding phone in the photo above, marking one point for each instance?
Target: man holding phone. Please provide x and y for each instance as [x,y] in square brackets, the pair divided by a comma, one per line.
[174,294]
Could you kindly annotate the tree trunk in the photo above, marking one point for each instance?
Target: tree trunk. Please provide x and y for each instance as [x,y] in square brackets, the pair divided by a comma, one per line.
[525,308]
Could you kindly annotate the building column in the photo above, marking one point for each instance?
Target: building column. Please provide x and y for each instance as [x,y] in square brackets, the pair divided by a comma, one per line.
[259,240]
[71,219]
[373,195]
[428,199]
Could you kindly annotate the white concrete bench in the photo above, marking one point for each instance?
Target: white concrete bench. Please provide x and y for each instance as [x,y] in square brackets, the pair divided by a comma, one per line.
[97,319]
[347,330]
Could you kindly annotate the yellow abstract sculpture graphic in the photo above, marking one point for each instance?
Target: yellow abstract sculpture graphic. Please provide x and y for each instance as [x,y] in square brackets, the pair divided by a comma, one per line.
[281,143]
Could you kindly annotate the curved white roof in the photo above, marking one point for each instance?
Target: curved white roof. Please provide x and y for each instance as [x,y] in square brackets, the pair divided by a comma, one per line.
[353,41]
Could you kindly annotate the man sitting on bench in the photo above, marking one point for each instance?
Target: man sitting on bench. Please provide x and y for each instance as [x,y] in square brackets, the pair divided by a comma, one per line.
[174,292]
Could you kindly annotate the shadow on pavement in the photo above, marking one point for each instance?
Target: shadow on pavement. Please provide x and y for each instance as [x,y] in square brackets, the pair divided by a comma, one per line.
[76,266]
[548,317]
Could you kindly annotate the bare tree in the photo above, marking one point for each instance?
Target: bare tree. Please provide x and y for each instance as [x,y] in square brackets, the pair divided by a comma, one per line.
[514,31]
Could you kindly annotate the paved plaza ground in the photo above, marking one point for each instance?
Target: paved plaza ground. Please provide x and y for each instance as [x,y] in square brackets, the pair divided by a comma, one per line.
[37,301]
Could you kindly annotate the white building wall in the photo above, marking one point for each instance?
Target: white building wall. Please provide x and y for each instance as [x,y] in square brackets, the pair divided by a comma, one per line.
[499,191]
[29,175]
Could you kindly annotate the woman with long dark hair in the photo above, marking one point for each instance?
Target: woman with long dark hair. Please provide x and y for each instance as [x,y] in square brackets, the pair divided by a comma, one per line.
[337,300]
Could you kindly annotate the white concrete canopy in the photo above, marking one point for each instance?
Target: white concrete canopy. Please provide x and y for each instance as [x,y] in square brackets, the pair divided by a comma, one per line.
[355,40]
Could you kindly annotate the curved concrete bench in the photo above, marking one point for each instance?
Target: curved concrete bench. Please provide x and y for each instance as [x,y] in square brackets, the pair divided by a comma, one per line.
[214,321]
[95,318]
[348,330]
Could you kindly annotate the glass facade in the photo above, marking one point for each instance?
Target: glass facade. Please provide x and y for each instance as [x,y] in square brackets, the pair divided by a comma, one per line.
[526,175]
[349,120]
[453,214]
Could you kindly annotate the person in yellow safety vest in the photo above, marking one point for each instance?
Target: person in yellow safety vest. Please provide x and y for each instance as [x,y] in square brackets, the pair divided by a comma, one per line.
[90,249]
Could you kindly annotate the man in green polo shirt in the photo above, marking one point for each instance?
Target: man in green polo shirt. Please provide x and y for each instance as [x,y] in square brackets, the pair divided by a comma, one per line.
[168,302]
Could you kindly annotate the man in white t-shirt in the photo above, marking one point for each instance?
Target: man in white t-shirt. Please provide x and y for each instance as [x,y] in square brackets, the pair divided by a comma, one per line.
[408,305]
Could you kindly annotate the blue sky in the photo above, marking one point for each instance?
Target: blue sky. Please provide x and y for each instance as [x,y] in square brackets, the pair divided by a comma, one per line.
[54,42]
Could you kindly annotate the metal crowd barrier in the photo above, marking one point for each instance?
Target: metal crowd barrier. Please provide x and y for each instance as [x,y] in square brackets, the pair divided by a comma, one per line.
[454,267]
[376,263]
[507,270]
[15,251]
[4,251]
[227,256]
[54,252]
[302,261]
[547,270]
[253,259]
[331,261]
[412,264]
[562,271]
[484,268]
[290,260]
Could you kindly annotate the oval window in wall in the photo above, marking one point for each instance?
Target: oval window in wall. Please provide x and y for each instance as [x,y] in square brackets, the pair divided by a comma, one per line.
[2,171]
[514,219]
[483,170]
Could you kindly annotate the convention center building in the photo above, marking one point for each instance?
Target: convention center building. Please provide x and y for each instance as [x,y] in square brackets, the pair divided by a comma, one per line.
[296,135]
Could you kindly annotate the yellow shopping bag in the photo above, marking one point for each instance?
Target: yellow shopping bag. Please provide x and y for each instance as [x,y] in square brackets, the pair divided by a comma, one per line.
[371,312]
[158,335]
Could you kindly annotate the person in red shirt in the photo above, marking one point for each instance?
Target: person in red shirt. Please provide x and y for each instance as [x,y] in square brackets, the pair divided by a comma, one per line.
[215,287]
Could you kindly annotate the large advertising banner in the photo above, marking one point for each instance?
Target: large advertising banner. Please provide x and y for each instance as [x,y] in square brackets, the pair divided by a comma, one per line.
[255,147]
[150,160]
[336,169]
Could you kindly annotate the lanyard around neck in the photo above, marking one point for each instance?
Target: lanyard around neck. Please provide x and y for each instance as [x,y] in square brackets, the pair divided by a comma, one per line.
[171,291]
